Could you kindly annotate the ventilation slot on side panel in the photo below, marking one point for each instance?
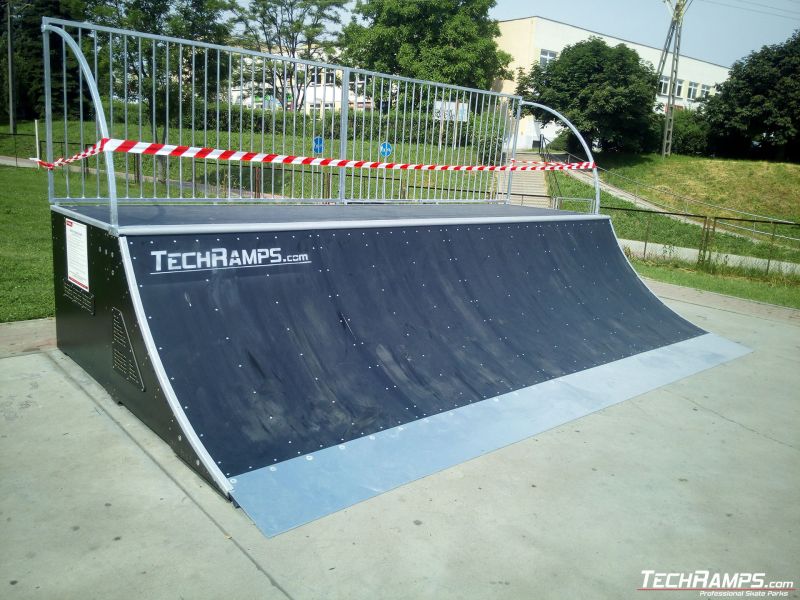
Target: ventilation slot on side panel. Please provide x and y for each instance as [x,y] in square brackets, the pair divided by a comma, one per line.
[123,357]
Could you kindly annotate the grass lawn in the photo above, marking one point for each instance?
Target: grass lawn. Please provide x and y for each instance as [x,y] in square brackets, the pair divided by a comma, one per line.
[784,291]
[766,188]
[26,274]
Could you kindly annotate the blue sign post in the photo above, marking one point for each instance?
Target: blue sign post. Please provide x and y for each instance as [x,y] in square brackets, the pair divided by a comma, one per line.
[319,145]
[386,149]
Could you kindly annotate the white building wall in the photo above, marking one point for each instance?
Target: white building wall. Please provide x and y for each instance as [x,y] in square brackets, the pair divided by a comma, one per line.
[525,39]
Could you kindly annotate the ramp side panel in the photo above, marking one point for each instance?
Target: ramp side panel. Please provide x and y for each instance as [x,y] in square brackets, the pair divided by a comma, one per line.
[98,329]
[379,327]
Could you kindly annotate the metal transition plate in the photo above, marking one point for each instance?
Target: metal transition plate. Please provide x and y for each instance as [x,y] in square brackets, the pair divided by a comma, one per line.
[284,496]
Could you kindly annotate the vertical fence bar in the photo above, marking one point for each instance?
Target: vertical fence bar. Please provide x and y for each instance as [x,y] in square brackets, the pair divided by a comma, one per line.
[80,119]
[193,173]
[153,122]
[140,100]
[771,246]
[241,121]
[515,133]
[66,117]
[179,63]
[344,128]
[48,112]
[125,108]
[167,80]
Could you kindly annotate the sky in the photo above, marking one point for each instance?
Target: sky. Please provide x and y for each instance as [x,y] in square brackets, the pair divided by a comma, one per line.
[717,31]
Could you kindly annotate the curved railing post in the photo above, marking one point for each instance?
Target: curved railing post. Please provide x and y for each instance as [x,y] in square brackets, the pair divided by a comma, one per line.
[589,157]
[517,119]
[100,114]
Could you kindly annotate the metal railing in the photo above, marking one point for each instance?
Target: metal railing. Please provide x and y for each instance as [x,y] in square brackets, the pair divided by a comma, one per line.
[743,222]
[703,239]
[584,145]
[106,82]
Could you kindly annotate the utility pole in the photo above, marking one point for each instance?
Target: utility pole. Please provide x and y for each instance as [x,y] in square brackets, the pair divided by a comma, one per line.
[12,122]
[678,8]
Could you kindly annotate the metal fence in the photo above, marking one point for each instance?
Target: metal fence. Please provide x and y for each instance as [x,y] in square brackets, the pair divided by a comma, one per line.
[105,82]
[20,147]
[660,199]
[710,241]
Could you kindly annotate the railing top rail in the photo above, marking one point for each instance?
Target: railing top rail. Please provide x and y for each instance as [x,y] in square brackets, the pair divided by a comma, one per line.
[582,141]
[245,51]
[432,83]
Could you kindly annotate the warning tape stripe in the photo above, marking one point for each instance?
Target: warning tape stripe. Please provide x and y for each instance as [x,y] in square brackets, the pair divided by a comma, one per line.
[153,149]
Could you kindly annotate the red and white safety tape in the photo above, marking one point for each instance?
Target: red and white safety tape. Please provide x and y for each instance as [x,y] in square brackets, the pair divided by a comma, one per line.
[134,147]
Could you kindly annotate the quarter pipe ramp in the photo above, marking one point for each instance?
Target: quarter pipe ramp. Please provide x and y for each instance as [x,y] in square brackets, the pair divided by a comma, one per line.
[306,358]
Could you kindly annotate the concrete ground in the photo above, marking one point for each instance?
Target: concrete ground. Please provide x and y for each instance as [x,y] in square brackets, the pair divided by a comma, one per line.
[701,474]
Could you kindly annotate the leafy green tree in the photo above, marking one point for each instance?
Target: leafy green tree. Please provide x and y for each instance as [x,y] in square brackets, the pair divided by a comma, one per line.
[151,16]
[450,41]
[607,92]
[26,30]
[293,28]
[202,20]
[689,132]
[757,110]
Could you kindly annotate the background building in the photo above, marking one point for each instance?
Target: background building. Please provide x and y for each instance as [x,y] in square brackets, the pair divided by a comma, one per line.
[538,40]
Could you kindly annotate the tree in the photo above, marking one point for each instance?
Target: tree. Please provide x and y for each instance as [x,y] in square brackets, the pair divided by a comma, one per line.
[608,93]
[26,29]
[202,20]
[757,110]
[449,41]
[689,132]
[151,16]
[295,29]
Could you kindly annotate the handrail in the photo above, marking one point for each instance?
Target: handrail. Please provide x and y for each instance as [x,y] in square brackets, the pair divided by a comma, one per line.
[100,115]
[589,157]
[547,155]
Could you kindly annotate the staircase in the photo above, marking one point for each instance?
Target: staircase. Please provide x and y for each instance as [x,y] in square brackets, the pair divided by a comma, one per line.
[528,188]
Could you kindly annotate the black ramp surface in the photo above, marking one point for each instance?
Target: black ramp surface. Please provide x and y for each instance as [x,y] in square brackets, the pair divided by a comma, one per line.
[331,335]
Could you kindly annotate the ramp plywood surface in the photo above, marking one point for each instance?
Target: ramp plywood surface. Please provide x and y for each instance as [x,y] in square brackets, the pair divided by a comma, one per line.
[282,345]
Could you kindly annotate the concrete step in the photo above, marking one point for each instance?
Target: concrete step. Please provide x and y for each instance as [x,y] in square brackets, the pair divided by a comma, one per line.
[523,183]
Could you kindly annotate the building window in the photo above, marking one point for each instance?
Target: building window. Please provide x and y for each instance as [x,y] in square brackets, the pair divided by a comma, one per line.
[704,91]
[691,94]
[664,89]
[679,90]
[546,57]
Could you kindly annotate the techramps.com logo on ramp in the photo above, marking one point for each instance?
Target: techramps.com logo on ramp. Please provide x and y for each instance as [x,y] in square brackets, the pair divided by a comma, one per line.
[223,258]
[710,584]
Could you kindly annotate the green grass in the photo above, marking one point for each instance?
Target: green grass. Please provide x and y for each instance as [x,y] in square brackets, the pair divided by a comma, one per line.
[760,187]
[774,289]
[673,232]
[26,274]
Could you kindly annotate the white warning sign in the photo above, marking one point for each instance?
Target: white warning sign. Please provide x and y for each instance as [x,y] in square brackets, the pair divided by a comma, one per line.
[77,254]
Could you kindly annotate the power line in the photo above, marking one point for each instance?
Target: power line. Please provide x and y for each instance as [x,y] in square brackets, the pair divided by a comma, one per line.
[795,12]
[761,12]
